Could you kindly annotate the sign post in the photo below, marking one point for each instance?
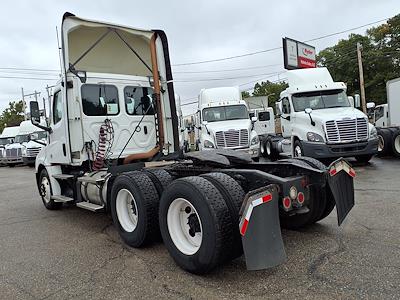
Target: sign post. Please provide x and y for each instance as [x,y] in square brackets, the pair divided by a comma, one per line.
[298,55]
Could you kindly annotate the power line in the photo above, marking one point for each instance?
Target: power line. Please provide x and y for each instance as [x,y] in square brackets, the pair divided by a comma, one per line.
[276,48]
[227,70]
[29,69]
[226,78]
[29,78]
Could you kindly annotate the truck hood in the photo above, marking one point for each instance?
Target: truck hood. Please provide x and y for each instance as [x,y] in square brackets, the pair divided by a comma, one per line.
[16,146]
[337,113]
[33,144]
[229,125]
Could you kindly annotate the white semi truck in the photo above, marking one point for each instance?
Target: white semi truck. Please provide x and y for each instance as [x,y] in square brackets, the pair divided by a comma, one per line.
[386,118]
[223,122]
[318,120]
[6,138]
[105,155]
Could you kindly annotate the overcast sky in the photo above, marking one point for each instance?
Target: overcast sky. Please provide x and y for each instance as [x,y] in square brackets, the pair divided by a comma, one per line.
[197,30]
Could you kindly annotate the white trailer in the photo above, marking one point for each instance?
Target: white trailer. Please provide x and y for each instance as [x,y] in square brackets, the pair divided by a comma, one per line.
[114,147]
[386,118]
[318,120]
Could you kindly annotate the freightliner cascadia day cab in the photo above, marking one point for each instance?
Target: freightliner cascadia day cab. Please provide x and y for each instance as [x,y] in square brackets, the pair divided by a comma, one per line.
[113,146]
[223,122]
[318,120]
[386,118]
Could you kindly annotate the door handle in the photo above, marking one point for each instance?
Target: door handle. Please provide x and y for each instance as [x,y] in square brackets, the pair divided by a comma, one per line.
[145,129]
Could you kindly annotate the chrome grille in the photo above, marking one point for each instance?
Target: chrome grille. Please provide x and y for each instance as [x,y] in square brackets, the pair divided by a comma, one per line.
[347,130]
[13,152]
[232,138]
[32,152]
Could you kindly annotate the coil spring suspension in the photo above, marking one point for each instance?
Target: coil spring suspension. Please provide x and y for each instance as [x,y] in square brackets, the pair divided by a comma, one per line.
[106,137]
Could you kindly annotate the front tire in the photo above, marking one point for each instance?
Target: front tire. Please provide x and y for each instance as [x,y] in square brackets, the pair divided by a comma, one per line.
[46,191]
[195,224]
[298,149]
[134,208]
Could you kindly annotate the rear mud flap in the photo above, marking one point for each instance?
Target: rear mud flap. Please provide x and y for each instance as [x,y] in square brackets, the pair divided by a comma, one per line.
[340,180]
[260,230]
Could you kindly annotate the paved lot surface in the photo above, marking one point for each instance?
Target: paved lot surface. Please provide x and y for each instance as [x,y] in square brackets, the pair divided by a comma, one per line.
[74,253]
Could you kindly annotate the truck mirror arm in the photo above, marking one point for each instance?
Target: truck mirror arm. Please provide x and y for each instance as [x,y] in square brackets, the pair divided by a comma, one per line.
[286,118]
[45,128]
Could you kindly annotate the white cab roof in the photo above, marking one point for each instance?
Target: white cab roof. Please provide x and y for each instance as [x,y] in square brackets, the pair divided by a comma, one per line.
[9,132]
[220,94]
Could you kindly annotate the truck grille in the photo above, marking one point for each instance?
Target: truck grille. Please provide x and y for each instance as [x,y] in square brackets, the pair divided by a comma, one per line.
[32,152]
[349,130]
[232,138]
[13,152]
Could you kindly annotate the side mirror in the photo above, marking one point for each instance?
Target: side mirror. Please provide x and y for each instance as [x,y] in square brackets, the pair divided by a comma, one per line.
[371,105]
[308,111]
[357,101]
[35,112]
[204,123]
[278,109]
[254,119]
[35,116]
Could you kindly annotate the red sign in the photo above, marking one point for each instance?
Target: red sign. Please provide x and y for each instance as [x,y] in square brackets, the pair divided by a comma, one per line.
[298,55]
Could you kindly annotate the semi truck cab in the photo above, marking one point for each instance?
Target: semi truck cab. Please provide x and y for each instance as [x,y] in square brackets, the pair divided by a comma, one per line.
[318,120]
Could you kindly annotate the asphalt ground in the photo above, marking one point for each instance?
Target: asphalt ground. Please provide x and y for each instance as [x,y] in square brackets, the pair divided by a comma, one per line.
[74,253]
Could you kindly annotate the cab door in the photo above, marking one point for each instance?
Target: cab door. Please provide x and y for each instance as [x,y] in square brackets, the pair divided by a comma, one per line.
[286,118]
[58,147]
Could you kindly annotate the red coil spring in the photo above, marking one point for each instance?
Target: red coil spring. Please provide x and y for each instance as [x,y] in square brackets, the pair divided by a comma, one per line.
[101,149]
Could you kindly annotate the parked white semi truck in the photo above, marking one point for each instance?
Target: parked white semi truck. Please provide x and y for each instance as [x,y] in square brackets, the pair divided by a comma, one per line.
[318,120]
[22,145]
[386,118]
[6,138]
[223,122]
[105,155]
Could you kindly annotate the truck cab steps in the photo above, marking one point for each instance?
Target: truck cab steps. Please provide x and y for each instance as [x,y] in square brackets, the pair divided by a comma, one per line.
[88,179]
[63,176]
[90,206]
[61,198]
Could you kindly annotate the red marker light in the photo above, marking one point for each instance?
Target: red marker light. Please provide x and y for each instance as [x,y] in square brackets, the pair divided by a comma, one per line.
[287,203]
[300,198]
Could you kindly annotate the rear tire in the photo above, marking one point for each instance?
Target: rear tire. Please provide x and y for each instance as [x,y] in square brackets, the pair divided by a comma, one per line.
[233,195]
[396,144]
[298,149]
[385,142]
[134,208]
[160,178]
[195,224]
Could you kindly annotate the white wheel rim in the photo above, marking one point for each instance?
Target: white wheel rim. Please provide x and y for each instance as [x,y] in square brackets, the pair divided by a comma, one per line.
[187,241]
[46,191]
[381,143]
[397,144]
[268,148]
[297,151]
[127,211]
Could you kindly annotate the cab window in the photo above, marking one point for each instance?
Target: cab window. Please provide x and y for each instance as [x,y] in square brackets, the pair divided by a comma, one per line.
[264,116]
[100,100]
[57,108]
[379,111]
[285,106]
[138,100]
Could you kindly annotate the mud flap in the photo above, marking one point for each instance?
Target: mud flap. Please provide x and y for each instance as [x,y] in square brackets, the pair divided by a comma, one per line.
[260,229]
[340,180]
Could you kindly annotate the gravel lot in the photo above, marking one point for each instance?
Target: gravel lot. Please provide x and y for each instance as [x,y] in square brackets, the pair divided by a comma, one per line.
[73,253]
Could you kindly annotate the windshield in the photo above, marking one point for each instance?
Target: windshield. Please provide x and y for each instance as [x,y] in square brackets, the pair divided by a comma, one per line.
[3,141]
[21,138]
[320,100]
[38,135]
[222,113]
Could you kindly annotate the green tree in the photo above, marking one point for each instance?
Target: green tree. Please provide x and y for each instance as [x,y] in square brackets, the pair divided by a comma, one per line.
[381,59]
[245,94]
[12,116]
[270,89]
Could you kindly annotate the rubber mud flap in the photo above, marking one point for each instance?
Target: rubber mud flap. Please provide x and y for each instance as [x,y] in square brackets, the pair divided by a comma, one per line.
[260,230]
[342,188]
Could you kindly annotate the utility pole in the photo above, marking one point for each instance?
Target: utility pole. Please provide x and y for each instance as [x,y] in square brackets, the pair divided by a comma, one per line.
[360,70]
[35,94]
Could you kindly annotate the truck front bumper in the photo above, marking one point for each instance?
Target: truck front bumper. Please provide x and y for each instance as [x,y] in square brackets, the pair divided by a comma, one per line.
[320,150]
[14,160]
[29,160]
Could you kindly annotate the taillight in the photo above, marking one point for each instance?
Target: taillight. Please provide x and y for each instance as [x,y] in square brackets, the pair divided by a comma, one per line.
[287,203]
[300,198]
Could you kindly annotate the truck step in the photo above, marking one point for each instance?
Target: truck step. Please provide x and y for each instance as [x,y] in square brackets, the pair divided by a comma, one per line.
[90,206]
[63,176]
[61,198]
[88,179]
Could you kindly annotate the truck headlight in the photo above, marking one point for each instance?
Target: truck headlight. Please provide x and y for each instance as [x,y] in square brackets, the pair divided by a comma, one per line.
[254,140]
[23,151]
[373,133]
[314,137]
[208,144]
